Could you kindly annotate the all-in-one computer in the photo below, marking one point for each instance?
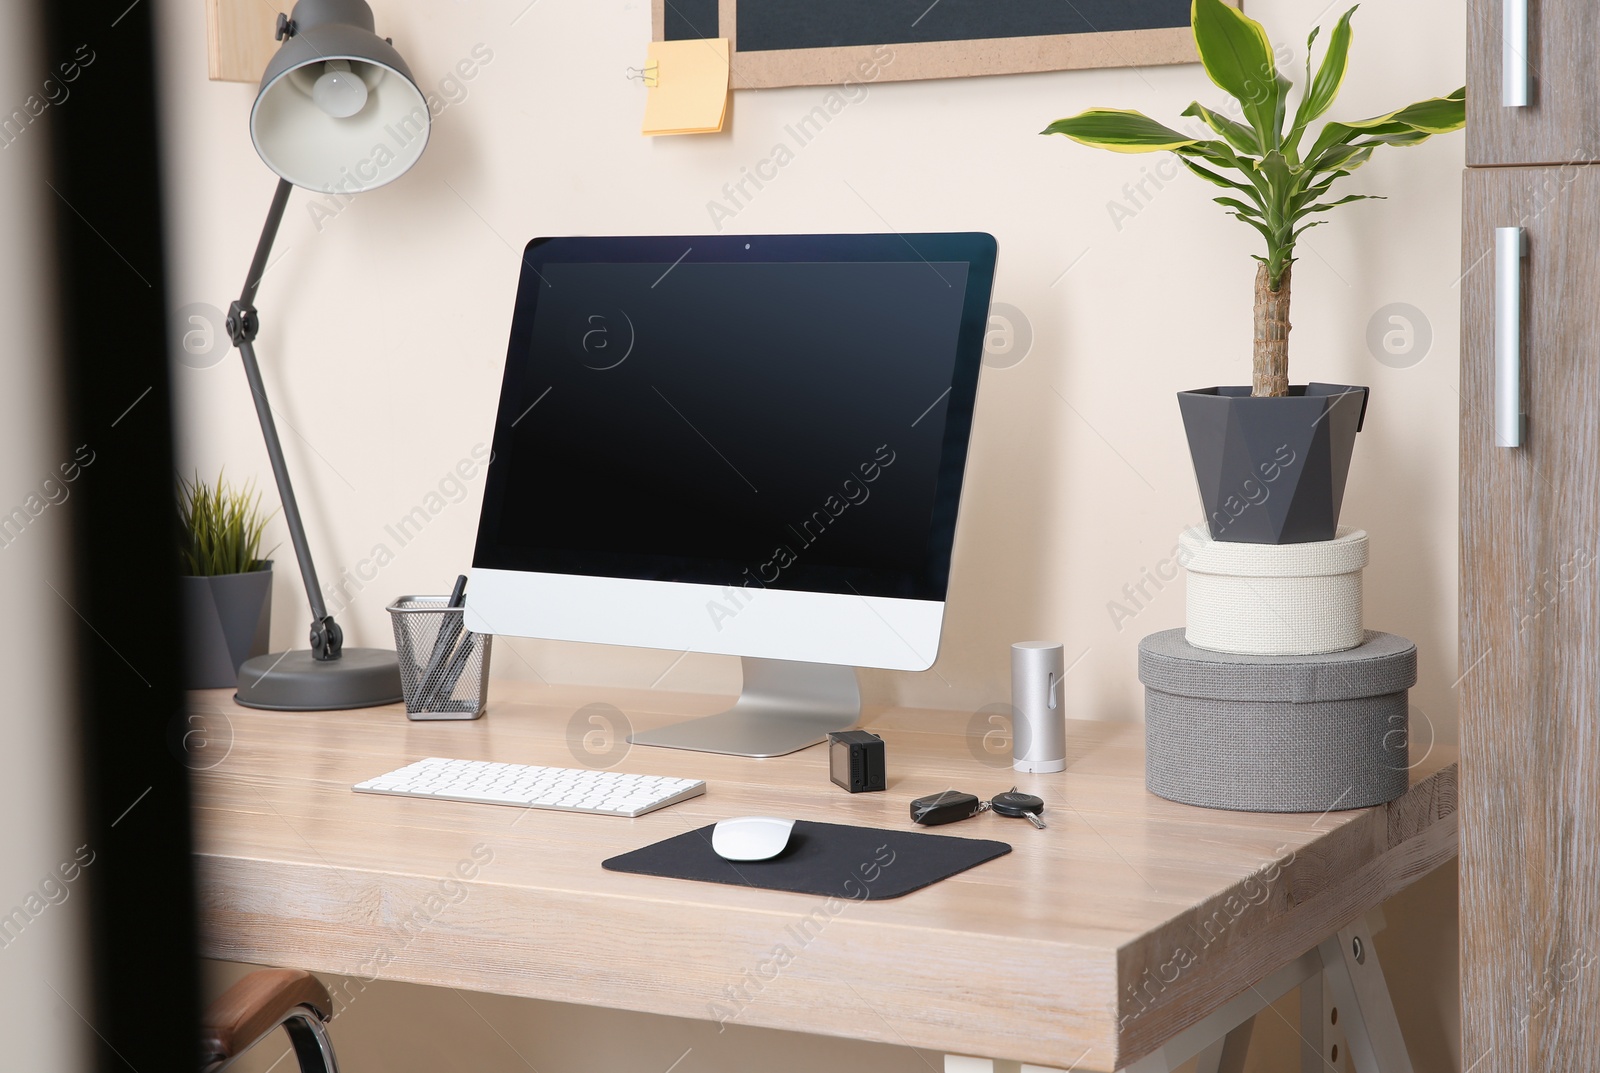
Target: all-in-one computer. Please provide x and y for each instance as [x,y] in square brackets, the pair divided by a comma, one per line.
[750,445]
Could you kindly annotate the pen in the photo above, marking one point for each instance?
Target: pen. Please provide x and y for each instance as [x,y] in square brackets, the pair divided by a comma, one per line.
[443,642]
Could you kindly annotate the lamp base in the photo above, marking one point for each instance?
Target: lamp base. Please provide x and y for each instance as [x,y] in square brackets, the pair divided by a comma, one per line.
[295,682]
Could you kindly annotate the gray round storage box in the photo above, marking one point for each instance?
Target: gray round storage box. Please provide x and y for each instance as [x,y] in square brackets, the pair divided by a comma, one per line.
[1277,733]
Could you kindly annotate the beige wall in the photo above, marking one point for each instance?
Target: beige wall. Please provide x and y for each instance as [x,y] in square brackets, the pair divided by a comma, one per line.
[384,327]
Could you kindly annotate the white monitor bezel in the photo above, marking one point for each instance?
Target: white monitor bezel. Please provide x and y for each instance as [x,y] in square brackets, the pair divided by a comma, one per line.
[807,627]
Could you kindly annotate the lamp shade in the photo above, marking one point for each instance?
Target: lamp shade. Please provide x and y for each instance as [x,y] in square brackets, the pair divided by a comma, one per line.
[338,111]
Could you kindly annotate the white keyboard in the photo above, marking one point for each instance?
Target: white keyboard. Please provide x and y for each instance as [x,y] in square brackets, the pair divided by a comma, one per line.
[604,793]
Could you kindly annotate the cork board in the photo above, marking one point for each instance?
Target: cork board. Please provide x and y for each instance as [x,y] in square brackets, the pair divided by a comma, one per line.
[239,37]
[823,42]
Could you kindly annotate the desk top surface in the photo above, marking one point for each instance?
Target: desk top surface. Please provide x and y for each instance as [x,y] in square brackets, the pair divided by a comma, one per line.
[1128,918]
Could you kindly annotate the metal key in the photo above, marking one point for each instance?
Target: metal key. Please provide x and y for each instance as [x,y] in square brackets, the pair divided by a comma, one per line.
[1013,803]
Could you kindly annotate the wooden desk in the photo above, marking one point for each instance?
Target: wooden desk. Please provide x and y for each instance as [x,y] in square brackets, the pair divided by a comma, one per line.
[1130,919]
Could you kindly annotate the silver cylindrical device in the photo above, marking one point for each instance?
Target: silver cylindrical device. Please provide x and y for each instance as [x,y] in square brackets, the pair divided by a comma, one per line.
[1039,736]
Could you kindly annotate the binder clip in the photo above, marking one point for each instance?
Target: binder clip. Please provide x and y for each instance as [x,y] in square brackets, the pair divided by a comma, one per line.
[646,74]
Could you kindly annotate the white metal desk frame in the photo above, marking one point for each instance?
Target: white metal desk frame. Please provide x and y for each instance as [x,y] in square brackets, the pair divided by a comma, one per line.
[1344,1004]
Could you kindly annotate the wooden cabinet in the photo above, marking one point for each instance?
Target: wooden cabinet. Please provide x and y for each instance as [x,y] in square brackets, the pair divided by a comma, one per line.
[1530,545]
[1561,121]
[1530,633]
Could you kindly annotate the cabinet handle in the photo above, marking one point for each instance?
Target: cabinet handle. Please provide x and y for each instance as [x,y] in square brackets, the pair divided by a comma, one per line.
[1514,53]
[1510,419]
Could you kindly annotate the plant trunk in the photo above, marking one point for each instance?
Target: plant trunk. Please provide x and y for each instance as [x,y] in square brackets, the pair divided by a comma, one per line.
[1270,370]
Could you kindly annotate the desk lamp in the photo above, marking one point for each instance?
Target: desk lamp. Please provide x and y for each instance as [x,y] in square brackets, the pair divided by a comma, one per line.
[338,113]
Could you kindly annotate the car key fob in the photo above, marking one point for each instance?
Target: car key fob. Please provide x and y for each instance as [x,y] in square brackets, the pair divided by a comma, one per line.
[1014,803]
[946,807]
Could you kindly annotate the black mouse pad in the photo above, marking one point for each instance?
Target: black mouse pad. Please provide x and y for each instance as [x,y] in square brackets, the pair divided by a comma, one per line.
[825,859]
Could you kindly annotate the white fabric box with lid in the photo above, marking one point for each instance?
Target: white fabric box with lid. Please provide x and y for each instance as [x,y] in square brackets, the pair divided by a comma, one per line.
[1274,599]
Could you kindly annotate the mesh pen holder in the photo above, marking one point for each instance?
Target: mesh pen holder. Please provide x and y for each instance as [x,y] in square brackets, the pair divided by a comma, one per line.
[444,668]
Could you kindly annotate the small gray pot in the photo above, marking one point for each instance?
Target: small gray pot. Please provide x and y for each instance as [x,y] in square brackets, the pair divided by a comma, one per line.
[1272,470]
[227,619]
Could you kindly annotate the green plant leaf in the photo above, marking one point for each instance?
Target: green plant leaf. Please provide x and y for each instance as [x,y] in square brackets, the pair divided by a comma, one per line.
[1237,56]
[1356,161]
[1221,180]
[1266,232]
[1315,190]
[1342,157]
[1280,177]
[1221,156]
[1436,115]
[1241,137]
[1326,205]
[1408,137]
[1281,108]
[1321,91]
[1243,209]
[222,528]
[1119,131]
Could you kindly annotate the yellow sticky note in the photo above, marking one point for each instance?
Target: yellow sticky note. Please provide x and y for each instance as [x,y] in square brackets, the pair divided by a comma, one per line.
[690,95]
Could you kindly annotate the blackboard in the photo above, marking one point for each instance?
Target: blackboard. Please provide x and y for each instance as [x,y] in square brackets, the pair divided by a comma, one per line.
[821,42]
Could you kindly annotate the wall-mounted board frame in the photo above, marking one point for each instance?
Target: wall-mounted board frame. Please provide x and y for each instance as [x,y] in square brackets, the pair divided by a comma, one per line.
[829,42]
[240,37]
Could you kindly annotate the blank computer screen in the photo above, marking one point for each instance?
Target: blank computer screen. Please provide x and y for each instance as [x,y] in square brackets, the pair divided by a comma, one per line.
[797,424]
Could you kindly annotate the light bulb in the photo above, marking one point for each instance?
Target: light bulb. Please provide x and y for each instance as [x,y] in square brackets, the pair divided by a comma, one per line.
[338,91]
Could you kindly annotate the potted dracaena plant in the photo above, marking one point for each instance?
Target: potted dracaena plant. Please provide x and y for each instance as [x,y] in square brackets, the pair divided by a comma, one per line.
[1271,459]
[227,582]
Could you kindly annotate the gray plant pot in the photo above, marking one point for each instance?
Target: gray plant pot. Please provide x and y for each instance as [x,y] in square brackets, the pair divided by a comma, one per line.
[1272,470]
[228,619]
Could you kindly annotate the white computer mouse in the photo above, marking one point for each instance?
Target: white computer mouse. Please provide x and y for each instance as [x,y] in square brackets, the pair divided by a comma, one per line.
[750,838]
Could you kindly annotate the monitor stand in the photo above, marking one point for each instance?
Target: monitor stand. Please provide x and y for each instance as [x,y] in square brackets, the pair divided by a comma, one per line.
[784,707]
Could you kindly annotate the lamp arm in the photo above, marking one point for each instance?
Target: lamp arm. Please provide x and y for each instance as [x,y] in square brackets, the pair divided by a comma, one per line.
[327,639]
[269,234]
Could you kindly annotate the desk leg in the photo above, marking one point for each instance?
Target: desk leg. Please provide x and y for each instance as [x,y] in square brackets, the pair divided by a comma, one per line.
[1354,978]
[1225,1032]
[1226,1055]
[1316,1022]
[1343,1000]
[1222,1055]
